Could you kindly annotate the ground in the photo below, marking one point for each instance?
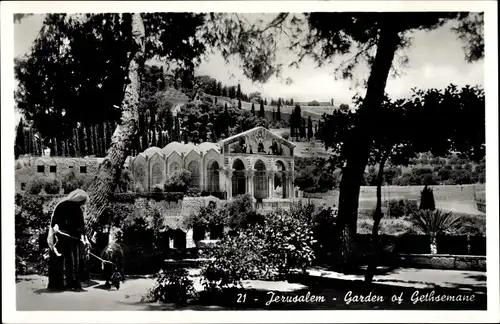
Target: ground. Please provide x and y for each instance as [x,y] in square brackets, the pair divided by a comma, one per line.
[32,295]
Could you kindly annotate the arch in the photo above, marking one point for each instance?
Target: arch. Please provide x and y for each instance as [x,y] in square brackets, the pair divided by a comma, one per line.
[213,176]
[174,166]
[281,179]
[156,173]
[238,180]
[238,165]
[194,168]
[260,180]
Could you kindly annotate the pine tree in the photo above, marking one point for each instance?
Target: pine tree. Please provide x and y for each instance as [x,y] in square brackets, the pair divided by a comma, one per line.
[309,128]
[262,114]
[253,109]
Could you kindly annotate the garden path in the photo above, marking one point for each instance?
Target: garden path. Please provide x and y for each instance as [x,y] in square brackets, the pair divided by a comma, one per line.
[32,295]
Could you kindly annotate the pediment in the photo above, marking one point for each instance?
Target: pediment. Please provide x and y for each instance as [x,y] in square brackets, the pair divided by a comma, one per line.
[258,134]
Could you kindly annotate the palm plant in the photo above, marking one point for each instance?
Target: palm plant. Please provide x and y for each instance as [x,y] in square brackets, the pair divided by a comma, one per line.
[434,223]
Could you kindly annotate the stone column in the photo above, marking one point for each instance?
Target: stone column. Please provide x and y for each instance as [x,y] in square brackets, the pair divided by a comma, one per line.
[250,176]
[270,177]
[272,186]
[229,183]
[290,185]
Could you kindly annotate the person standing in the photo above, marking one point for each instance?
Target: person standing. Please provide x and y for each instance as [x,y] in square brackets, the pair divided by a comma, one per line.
[66,234]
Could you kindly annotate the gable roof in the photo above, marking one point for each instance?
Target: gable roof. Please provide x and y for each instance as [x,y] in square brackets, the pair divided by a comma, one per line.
[254,130]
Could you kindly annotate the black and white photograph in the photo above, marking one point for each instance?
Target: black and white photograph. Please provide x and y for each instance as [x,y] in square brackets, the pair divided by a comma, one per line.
[289,156]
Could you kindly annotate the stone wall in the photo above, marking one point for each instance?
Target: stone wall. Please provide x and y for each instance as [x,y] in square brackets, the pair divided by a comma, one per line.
[443,261]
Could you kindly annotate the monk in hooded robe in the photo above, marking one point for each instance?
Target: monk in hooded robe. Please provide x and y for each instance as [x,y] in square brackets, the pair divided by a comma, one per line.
[66,234]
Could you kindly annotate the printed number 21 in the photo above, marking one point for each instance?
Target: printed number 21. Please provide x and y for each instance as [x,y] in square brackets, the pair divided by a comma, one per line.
[241,298]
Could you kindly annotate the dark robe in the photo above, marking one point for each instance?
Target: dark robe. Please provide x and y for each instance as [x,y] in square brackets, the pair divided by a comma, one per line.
[66,270]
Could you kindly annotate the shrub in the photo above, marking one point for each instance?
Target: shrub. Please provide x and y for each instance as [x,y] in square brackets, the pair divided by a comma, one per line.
[427,199]
[270,251]
[402,207]
[158,187]
[31,222]
[71,182]
[138,188]
[52,186]
[131,197]
[239,213]
[236,258]
[285,135]
[35,186]
[178,181]
[126,180]
[172,287]
[193,192]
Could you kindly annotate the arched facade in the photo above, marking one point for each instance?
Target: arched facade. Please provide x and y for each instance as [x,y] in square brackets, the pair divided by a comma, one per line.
[256,162]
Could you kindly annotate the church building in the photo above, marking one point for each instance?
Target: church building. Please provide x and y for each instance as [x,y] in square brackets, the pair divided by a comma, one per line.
[255,162]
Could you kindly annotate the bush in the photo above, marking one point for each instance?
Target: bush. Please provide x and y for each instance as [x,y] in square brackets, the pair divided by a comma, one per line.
[31,222]
[52,186]
[158,188]
[172,287]
[239,213]
[131,197]
[35,186]
[178,181]
[270,251]
[71,182]
[285,135]
[402,207]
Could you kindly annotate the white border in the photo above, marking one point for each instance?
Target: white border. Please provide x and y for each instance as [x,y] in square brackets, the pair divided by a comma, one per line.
[10,315]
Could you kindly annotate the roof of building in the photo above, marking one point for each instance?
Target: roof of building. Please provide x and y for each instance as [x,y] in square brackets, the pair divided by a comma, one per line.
[253,130]
[188,147]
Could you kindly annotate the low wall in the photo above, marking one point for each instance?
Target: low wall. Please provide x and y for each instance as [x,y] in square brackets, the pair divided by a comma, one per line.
[441,192]
[443,261]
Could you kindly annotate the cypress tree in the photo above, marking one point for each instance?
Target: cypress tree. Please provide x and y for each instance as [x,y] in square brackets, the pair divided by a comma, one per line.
[309,128]
[253,109]
[54,151]
[20,140]
[262,114]
[278,112]
[427,199]
[274,115]
[239,103]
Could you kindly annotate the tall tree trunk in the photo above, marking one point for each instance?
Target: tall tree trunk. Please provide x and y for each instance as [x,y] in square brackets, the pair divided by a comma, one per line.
[377,217]
[358,149]
[106,179]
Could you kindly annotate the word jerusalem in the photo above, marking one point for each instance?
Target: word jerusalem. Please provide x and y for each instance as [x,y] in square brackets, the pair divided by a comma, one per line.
[308,298]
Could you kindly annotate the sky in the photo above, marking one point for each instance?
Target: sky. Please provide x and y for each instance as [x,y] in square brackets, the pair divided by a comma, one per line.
[435,60]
